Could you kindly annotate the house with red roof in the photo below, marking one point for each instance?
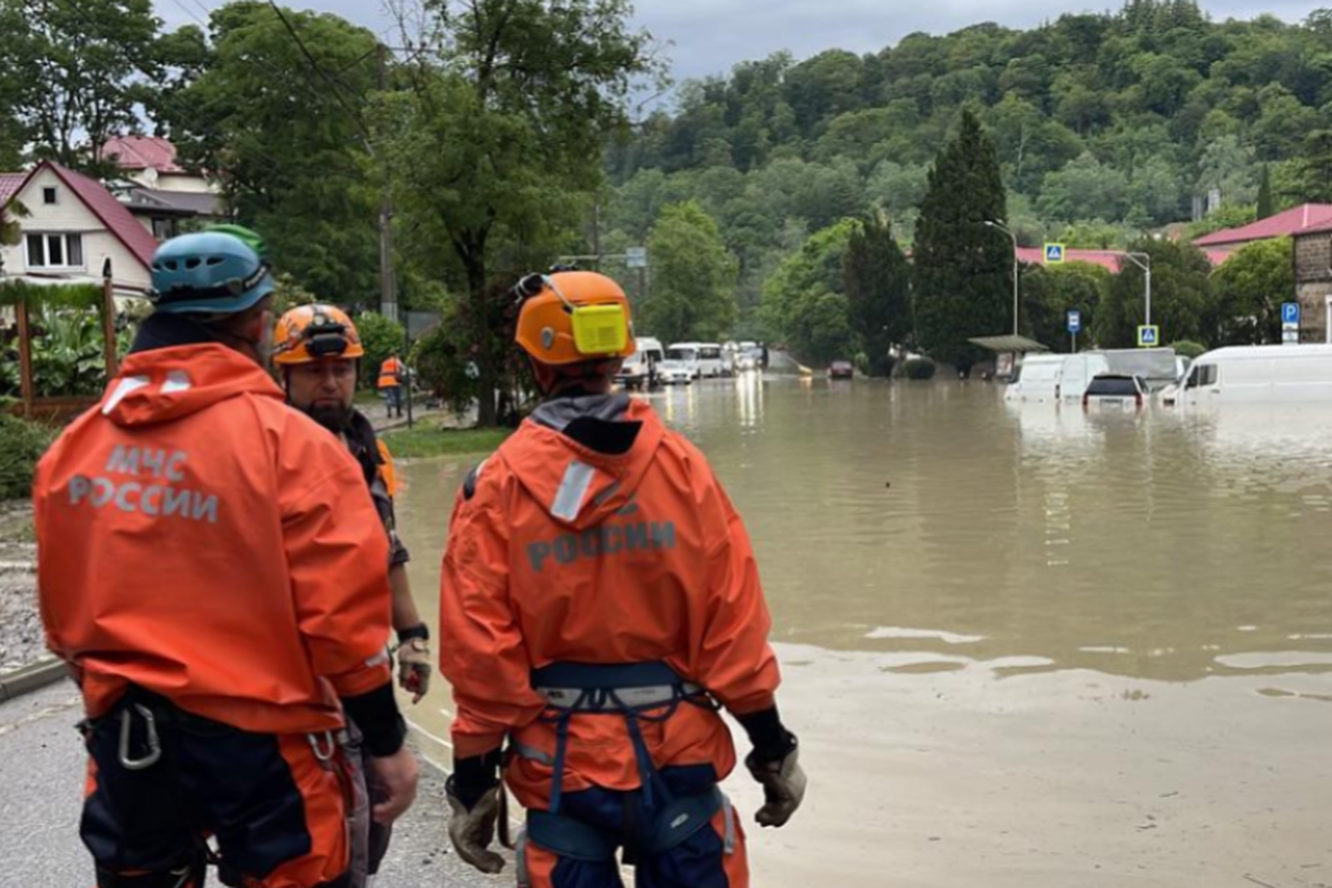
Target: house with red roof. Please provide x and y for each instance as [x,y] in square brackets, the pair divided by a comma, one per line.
[157,189]
[1292,222]
[72,226]
[151,162]
[1111,260]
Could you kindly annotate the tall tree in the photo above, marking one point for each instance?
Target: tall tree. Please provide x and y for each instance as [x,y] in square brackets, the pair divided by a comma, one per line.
[254,106]
[804,302]
[72,71]
[693,278]
[1315,167]
[962,266]
[1050,292]
[877,280]
[1266,205]
[1181,291]
[497,144]
[1247,292]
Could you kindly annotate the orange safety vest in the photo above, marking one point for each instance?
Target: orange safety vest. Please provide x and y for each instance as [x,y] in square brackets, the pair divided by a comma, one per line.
[564,554]
[200,539]
[391,373]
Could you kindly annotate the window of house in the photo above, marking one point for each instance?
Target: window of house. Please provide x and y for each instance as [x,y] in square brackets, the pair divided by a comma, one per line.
[55,251]
[48,195]
[164,229]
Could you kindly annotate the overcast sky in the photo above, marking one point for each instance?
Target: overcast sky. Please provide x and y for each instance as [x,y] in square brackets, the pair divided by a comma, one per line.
[709,36]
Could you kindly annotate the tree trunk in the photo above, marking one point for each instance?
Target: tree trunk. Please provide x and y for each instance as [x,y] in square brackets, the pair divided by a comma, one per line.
[486,416]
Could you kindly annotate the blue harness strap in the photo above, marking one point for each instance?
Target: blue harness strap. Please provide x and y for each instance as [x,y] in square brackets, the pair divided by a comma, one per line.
[650,691]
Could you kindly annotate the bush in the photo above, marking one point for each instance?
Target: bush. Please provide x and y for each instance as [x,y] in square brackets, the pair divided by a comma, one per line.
[920,368]
[381,337]
[1189,349]
[21,445]
[441,363]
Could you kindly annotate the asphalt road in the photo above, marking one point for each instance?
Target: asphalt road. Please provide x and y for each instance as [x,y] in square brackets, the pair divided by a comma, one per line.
[42,768]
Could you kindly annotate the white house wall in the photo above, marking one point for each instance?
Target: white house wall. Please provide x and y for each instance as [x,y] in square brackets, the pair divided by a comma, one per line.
[69,214]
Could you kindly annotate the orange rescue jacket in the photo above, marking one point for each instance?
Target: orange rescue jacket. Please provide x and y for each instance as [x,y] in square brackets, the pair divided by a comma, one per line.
[563,553]
[391,373]
[199,538]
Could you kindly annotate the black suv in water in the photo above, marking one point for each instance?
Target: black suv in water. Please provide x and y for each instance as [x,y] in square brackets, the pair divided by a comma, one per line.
[1113,392]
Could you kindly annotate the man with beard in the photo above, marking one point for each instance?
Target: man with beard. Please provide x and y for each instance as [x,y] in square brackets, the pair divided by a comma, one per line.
[317,350]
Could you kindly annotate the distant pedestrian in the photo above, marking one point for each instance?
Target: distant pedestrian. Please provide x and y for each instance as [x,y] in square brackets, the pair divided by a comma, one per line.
[392,377]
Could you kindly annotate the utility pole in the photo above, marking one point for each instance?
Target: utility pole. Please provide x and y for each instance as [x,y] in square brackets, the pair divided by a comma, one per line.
[999,226]
[388,296]
[596,231]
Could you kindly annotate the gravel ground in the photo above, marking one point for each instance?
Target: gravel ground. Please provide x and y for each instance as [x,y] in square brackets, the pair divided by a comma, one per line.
[40,804]
[21,640]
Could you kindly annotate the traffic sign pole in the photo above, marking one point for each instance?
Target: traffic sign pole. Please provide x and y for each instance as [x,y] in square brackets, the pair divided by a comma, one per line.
[1290,323]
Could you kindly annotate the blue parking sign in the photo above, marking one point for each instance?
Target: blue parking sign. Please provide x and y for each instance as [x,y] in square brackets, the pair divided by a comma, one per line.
[1290,313]
[1075,321]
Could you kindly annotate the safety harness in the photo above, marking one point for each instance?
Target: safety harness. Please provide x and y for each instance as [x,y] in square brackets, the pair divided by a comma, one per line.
[637,692]
[140,749]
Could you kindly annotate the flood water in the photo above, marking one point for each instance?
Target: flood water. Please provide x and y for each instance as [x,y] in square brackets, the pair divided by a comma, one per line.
[1022,646]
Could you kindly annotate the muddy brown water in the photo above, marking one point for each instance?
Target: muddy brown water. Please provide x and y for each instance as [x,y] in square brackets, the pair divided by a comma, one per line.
[1021,647]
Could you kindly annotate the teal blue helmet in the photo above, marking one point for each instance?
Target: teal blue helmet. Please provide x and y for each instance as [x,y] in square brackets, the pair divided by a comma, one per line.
[208,273]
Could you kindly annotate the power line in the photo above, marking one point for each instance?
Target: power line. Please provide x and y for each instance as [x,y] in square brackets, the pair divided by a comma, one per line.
[352,112]
[185,9]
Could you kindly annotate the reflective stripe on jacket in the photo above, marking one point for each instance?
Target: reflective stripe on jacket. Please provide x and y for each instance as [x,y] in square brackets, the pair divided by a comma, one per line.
[566,554]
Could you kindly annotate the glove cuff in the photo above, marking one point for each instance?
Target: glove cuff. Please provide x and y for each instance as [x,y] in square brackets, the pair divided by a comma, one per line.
[421,631]
[772,741]
[473,778]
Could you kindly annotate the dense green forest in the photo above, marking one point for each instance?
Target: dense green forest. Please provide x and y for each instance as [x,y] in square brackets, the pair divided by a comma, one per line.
[834,203]
[1104,126]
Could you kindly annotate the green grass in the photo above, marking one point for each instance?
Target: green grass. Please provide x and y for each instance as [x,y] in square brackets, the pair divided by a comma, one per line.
[428,440]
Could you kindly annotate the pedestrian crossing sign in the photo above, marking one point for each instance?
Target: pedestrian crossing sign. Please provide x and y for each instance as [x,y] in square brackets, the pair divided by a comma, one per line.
[1149,337]
[1054,254]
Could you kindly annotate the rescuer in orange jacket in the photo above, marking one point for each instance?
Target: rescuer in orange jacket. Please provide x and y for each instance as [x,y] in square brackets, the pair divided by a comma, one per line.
[317,348]
[392,377]
[600,603]
[213,570]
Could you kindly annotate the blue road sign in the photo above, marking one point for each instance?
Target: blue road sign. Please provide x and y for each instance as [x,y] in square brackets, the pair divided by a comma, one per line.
[1054,254]
[1290,313]
[1149,337]
[1075,321]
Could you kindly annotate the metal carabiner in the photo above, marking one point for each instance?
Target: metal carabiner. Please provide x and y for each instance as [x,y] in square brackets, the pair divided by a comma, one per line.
[331,746]
[154,742]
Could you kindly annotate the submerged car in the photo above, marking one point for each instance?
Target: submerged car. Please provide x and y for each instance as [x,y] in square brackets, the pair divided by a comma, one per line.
[673,372]
[1114,392]
[841,370]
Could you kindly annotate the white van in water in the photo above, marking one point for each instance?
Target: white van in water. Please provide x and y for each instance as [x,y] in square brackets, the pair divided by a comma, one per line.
[710,360]
[639,370]
[1260,374]
[685,353]
[1052,378]
[704,357]
[1078,373]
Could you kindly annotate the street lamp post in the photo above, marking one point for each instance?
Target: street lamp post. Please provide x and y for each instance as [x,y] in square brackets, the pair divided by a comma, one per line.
[998,226]
[1144,261]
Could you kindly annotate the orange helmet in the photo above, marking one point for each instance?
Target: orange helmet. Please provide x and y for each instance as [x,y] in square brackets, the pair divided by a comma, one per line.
[310,332]
[574,316]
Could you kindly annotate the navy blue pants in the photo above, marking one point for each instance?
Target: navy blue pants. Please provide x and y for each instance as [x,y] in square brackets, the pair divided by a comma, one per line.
[714,857]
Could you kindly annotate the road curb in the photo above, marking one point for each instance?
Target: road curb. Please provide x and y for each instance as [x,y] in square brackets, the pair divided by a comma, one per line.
[32,677]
